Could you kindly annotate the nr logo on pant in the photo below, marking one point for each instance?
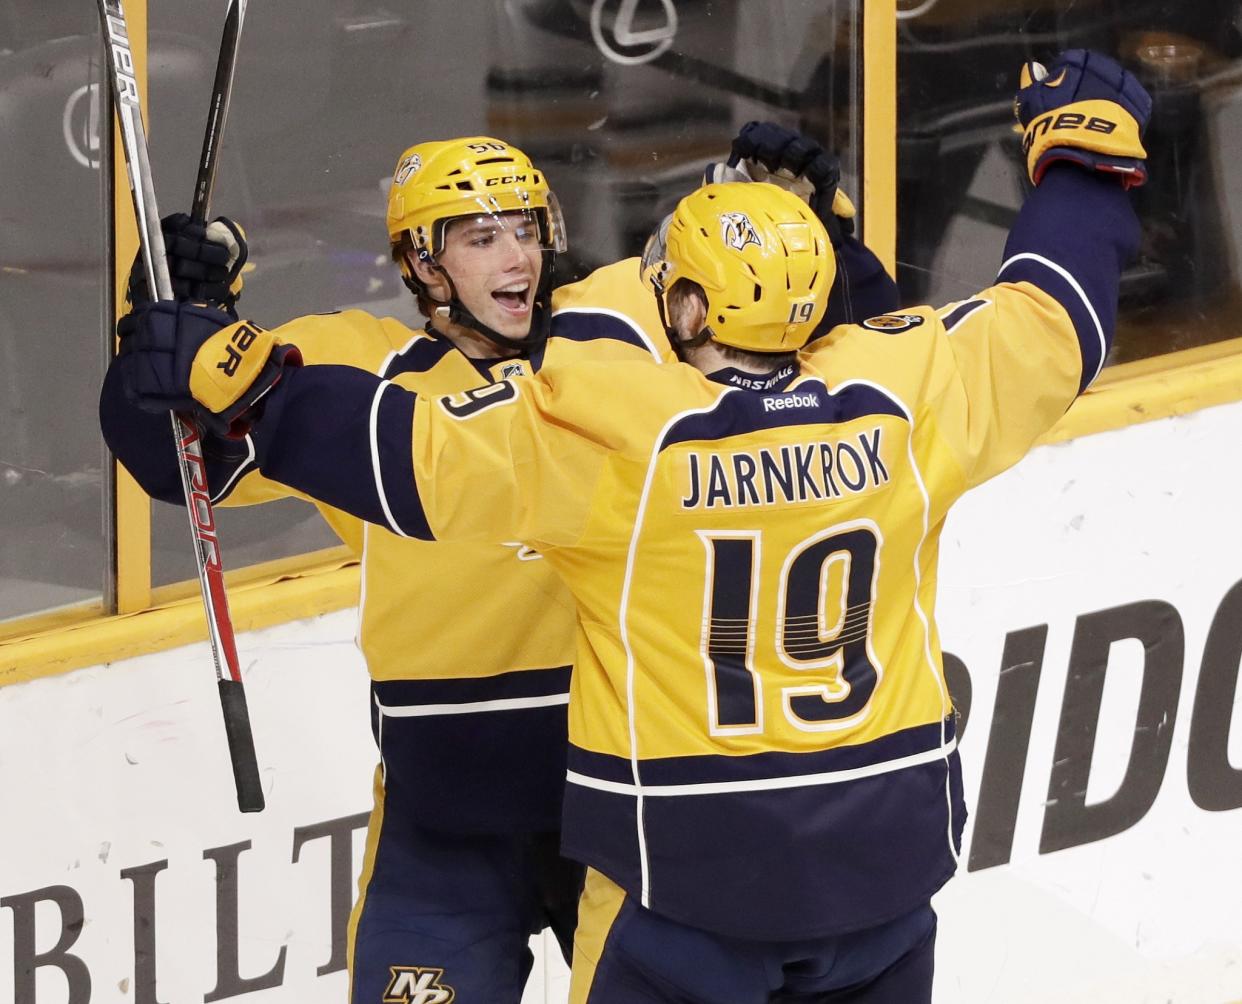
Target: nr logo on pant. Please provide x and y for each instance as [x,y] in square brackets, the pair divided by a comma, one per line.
[417,985]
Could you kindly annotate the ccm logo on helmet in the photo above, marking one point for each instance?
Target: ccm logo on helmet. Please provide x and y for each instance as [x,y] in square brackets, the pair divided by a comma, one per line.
[1066,120]
[242,338]
[508,179]
[890,324]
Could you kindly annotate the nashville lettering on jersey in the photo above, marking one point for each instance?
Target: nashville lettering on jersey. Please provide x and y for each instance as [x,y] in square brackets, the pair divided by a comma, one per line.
[799,472]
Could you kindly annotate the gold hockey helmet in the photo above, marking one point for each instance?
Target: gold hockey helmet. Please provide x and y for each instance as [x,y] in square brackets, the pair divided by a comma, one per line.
[761,255]
[437,182]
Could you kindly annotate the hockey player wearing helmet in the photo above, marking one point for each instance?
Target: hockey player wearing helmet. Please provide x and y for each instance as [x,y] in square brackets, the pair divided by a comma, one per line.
[475,230]
[763,775]
[461,862]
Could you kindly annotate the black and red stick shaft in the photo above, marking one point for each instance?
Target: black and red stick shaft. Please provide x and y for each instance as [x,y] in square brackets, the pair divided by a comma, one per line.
[221,91]
[187,436]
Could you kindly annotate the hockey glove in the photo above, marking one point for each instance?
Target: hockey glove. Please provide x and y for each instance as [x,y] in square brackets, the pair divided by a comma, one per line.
[194,359]
[204,263]
[1083,108]
[765,151]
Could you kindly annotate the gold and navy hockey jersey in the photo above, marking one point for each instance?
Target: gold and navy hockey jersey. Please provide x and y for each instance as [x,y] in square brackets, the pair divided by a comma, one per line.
[762,743]
[469,644]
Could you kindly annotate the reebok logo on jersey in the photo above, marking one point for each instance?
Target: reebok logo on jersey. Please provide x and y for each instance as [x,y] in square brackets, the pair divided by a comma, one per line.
[800,472]
[790,401]
[417,985]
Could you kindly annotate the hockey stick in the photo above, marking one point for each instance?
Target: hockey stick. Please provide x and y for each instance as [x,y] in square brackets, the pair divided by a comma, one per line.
[188,438]
[221,90]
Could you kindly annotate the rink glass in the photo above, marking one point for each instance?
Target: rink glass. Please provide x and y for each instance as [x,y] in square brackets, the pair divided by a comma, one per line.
[620,116]
[962,176]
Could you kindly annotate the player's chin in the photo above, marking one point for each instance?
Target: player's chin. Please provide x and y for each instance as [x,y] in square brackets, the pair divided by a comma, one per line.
[511,324]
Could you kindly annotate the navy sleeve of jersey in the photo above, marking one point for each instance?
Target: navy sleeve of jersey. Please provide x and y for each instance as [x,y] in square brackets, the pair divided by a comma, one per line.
[1075,233]
[345,437]
[587,324]
[861,289]
[143,443]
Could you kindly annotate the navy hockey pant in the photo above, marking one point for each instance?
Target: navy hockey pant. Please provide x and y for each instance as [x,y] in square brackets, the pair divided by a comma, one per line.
[625,954]
[444,916]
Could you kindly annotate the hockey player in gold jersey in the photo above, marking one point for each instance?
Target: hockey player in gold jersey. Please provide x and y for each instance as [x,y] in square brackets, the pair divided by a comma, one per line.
[468,711]
[762,771]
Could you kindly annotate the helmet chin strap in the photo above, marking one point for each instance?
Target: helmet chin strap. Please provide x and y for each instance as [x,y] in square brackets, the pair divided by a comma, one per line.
[457,312]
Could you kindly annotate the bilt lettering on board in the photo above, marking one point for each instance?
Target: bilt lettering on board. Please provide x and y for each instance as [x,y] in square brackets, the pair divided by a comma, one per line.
[34,950]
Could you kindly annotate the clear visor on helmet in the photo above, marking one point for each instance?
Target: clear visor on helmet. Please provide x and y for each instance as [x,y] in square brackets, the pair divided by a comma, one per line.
[495,229]
[656,270]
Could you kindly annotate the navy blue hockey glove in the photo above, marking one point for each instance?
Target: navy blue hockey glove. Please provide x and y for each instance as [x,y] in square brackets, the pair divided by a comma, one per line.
[765,151]
[197,360]
[204,262]
[795,162]
[1086,109]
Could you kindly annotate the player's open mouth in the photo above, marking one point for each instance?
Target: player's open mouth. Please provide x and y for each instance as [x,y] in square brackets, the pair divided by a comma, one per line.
[513,298]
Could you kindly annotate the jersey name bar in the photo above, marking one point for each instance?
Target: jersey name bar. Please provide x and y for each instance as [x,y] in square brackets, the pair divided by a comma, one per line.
[795,473]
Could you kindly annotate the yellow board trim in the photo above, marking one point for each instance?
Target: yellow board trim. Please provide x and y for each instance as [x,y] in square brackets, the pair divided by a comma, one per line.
[125,636]
[133,543]
[1161,387]
[306,563]
[133,507]
[879,126]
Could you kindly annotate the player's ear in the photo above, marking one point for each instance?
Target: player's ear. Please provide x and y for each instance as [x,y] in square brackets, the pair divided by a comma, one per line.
[428,275]
[688,307]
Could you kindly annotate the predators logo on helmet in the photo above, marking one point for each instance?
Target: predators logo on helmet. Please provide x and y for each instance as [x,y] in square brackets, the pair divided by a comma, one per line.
[437,183]
[440,181]
[408,166]
[737,231]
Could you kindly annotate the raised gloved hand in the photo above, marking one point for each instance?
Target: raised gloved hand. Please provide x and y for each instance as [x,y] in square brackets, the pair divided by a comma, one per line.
[189,358]
[1083,108]
[765,151]
[204,263]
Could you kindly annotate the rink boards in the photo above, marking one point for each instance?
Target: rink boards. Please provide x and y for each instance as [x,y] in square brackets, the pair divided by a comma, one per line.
[1091,612]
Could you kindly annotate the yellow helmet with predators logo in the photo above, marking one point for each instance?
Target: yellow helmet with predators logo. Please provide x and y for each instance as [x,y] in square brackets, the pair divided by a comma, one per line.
[445,180]
[438,182]
[760,254]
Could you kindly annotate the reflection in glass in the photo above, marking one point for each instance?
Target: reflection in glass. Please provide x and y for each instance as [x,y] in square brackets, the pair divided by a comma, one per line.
[53,276]
[961,175]
[621,115]
[624,115]
[622,104]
